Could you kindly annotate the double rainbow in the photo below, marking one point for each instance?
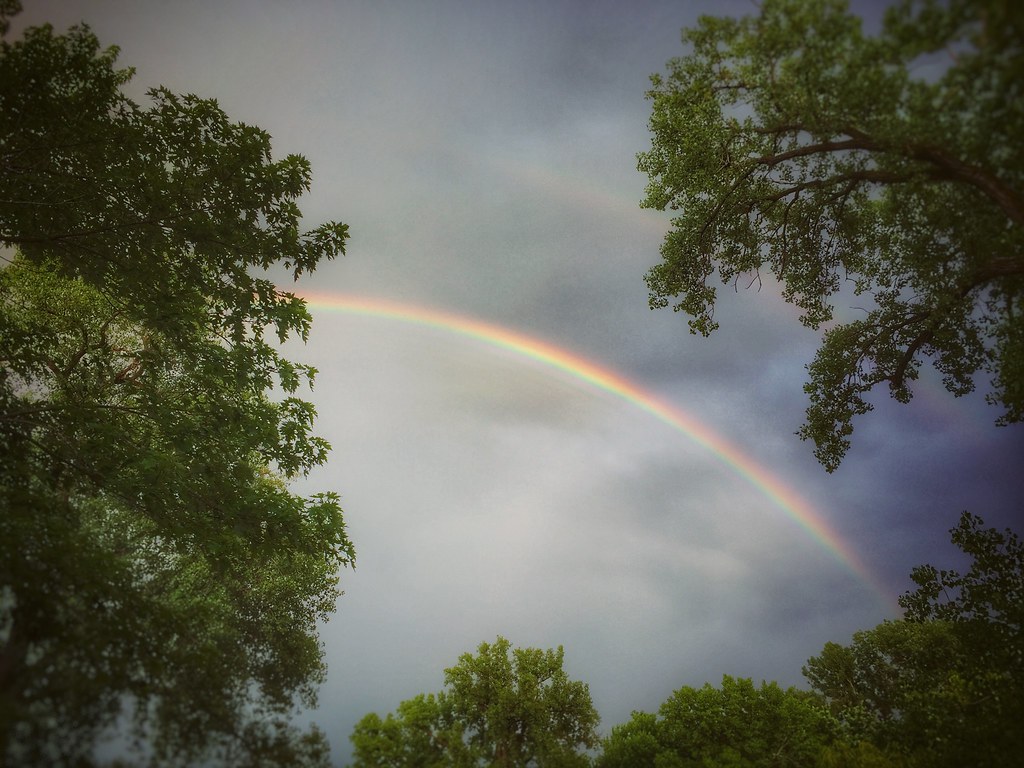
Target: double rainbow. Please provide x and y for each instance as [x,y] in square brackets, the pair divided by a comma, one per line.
[782,496]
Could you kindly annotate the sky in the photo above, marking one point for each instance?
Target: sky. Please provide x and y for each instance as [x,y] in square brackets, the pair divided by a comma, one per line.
[484,156]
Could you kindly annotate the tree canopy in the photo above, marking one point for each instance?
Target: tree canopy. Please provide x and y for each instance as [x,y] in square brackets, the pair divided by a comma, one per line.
[737,724]
[797,149]
[942,686]
[503,707]
[154,566]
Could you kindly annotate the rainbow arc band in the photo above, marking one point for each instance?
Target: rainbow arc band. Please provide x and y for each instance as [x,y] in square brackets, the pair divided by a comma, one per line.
[781,496]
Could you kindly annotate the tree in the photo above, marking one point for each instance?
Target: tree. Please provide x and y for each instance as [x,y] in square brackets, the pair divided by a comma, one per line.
[500,708]
[735,725]
[942,686]
[796,148]
[415,736]
[898,686]
[154,567]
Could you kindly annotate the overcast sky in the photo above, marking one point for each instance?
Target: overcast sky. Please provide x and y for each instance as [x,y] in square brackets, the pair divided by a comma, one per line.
[484,156]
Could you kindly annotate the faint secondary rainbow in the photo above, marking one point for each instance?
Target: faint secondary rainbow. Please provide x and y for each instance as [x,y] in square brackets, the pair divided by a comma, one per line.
[783,497]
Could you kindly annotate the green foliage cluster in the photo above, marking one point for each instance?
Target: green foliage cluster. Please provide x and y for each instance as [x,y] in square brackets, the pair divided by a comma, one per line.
[735,725]
[942,687]
[154,567]
[794,146]
[506,706]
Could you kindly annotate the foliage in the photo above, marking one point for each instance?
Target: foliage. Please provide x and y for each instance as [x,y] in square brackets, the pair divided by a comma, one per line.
[154,567]
[794,146]
[415,736]
[863,754]
[892,682]
[159,206]
[942,686]
[990,594]
[735,725]
[499,709]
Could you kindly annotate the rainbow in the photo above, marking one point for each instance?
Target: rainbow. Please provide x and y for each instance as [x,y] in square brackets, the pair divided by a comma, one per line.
[783,497]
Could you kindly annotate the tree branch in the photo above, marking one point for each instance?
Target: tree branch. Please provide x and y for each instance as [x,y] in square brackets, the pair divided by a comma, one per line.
[945,165]
[879,177]
[953,169]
